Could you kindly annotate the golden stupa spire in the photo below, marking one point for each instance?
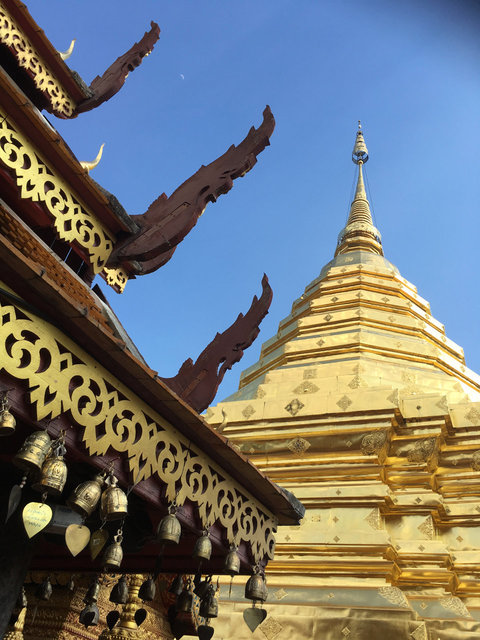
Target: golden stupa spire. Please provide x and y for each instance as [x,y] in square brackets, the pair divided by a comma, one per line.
[359,232]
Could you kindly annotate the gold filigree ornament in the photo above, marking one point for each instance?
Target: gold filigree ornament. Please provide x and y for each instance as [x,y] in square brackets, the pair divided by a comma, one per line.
[62,378]
[45,80]
[38,182]
[373,442]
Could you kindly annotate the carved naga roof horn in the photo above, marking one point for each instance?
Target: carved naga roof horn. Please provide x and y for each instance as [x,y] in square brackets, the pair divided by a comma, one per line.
[168,219]
[197,383]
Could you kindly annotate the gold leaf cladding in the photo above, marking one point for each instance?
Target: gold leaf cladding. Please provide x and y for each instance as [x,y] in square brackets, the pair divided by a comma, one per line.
[299,445]
[473,415]
[427,528]
[374,519]
[321,342]
[454,604]
[373,442]
[443,404]
[64,379]
[45,80]
[73,222]
[346,632]
[309,373]
[294,407]
[422,450]
[248,412]
[280,594]
[476,460]
[393,397]
[271,628]
[394,595]
[344,403]
[260,393]
[306,387]
[420,633]
[356,382]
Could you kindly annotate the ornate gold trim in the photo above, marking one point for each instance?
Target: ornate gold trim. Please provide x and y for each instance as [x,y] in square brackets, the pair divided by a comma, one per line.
[28,58]
[116,278]
[64,378]
[37,182]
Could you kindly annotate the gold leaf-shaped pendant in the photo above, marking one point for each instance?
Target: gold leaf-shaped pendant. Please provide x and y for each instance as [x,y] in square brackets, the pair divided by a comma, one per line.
[97,542]
[36,516]
[77,536]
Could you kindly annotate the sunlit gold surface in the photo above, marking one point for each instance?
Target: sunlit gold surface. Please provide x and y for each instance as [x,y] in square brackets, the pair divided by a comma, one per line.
[62,377]
[12,35]
[365,410]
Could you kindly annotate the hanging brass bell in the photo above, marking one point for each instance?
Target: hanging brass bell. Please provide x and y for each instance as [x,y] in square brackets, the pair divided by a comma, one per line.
[185,602]
[119,593]
[44,590]
[203,548]
[113,556]
[7,423]
[232,563]
[32,454]
[89,616]
[209,606]
[202,588]
[177,585]
[53,476]
[169,530]
[85,497]
[92,593]
[147,590]
[256,588]
[114,503]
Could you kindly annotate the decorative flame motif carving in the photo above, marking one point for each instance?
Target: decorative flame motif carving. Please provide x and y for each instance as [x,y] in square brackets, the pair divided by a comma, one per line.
[61,378]
[168,219]
[45,80]
[106,86]
[422,450]
[37,182]
[197,383]
[373,442]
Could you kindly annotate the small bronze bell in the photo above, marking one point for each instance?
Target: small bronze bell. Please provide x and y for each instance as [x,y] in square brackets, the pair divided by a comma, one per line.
[256,589]
[113,556]
[119,593]
[85,497]
[147,590]
[185,602]
[203,548]
[32,454]
[232,563]
[44,590]
[114,503]
[169,530]
[92,594]
[202,588]
[54,474]
[7,423]
[89,616]
[177,585]
[209,606]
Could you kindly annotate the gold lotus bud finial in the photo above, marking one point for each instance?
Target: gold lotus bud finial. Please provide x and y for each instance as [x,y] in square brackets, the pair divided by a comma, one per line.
[360,151]
[65,55]
[88,166]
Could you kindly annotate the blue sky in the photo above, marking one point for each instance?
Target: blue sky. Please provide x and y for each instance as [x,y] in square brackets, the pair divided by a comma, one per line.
[409,70]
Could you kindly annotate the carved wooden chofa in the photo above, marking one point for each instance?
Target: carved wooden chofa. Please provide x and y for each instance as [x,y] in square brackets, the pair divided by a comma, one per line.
[197,383]
[104,87]
[168,219]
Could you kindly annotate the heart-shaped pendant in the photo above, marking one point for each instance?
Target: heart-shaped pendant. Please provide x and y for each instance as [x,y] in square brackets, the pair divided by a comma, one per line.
[205,632]
[97,542]
[112,618]
[77,536]
[253,617]
[36,516]
[140,615]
